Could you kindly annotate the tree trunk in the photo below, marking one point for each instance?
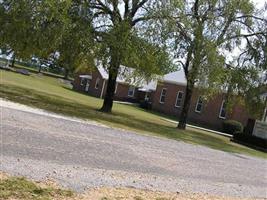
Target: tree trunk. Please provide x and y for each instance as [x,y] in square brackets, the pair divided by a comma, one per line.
[13,61]
[185,110]
[40,68]
[66,75]
[113,73]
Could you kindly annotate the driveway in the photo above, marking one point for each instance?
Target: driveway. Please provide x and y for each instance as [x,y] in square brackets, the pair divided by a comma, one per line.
[80,155]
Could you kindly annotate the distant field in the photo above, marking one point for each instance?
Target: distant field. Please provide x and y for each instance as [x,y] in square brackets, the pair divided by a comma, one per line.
[51,94]
[33,70]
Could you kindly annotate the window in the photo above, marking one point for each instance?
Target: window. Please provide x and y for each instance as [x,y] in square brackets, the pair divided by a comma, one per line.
[97,83]
[116,88]
[179,99]
[222,113]
[199,105]
[163,95]
[83,81]
[131,91]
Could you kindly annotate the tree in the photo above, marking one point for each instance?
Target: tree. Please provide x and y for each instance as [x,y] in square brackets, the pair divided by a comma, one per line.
[32,27]
[116,29]
[76,48]
[247,76]
[201,33]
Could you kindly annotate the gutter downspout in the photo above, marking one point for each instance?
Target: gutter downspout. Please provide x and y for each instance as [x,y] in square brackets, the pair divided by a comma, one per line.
[103,87]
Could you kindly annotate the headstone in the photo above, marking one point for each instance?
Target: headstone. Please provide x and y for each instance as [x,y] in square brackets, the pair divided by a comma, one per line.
[260,130]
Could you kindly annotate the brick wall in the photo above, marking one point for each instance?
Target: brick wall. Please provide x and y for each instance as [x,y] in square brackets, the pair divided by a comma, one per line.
[96,92]
[208,117]
[120,95]
[169,106]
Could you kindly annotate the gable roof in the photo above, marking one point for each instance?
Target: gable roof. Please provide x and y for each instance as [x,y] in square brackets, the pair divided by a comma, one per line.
[177,77]
[125,76]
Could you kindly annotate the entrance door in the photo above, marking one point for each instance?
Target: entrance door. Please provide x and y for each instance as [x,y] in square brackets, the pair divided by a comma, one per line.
[87,85]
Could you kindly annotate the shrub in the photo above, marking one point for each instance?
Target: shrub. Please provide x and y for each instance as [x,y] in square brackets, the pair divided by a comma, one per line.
[146,105]
[232,126]
[251,140]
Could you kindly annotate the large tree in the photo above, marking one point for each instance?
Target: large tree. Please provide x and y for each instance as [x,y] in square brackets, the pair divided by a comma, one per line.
[117,27]
[76,49]
[32,27]
[201,33]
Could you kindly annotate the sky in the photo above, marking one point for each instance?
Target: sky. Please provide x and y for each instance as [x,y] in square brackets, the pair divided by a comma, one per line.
[259,3]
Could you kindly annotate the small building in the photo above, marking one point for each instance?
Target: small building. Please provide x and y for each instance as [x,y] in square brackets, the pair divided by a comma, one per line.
[127,87]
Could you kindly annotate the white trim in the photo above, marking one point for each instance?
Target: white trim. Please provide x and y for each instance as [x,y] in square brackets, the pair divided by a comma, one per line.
[161,95]
[97,83]
[116,88]
[197,105]
[133,91]
[177,99]
[86,76]
[103,87]
[173,82]
[81,81]
[223,101]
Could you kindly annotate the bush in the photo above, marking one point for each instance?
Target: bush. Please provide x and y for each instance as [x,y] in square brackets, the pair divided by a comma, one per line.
[146,105]
[232,126]
[251,140]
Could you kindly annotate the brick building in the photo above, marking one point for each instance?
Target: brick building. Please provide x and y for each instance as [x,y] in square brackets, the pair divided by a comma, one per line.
[169,99]
[127,89]
[166,95]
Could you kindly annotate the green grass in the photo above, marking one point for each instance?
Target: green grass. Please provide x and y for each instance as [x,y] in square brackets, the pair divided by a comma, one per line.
[35,70]
[20,188]
[50,94]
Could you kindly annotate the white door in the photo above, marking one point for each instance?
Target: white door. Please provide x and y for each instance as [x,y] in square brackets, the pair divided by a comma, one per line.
[87,85]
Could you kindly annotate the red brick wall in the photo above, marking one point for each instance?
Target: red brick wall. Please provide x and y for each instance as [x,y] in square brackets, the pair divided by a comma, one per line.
[209,116]
[120,95]
[92,90]
[169,106]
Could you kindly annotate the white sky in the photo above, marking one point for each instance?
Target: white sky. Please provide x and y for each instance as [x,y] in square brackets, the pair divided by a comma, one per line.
[259,3]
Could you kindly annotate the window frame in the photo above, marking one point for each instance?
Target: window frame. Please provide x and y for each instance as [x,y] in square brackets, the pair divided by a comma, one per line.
[116,88]
[161,95]
[179,92]
[221,109]
[202,103]
[82,82]
[133,91]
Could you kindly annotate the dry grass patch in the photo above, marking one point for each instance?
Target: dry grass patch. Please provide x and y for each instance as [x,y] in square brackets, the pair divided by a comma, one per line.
[18,188]
[15,188]
[136,194]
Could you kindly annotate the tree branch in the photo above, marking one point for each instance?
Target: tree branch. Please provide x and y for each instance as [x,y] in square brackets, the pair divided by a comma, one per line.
[136,6]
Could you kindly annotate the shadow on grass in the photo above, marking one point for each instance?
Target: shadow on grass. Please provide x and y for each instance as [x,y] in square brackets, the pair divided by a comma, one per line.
[65,106]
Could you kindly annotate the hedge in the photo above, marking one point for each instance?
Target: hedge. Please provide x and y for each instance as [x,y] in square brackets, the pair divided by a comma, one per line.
[232,126]
[251,140]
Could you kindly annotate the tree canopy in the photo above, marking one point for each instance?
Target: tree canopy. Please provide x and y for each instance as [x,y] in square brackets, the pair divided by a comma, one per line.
[203,34]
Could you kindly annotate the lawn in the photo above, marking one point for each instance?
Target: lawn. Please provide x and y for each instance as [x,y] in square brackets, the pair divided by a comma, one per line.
[52,95]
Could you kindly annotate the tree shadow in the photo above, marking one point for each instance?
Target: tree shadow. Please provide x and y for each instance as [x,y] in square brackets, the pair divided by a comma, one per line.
[61,105]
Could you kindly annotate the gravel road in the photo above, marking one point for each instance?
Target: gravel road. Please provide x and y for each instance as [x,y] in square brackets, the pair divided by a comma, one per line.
[81,155]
